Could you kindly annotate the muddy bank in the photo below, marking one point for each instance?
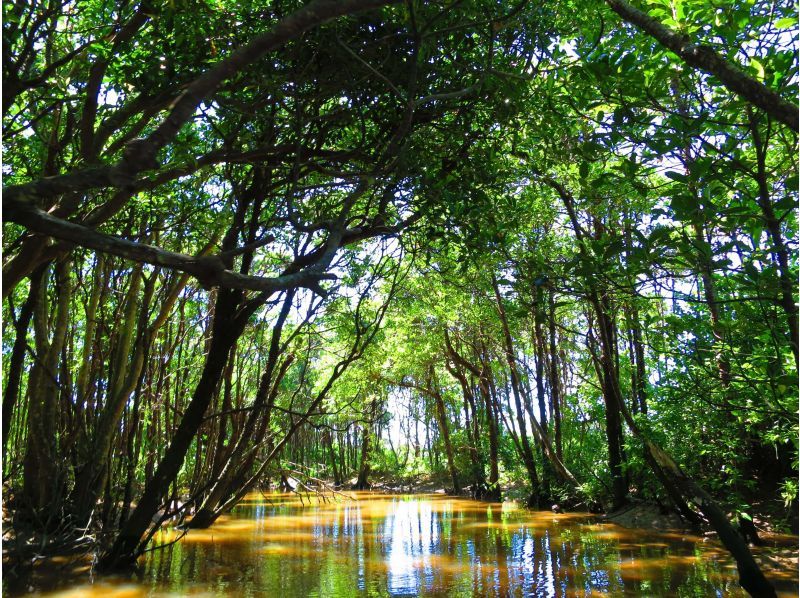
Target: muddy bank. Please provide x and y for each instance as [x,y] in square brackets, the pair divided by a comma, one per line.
[647,516]
[774,551]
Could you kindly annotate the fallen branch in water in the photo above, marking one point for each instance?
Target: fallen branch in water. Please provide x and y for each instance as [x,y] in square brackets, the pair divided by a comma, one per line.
[320,487]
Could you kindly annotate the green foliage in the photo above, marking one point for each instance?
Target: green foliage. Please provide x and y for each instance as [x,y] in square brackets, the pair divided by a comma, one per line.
[475,190]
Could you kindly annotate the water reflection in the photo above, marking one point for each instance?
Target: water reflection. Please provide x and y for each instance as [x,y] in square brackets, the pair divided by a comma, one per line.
[381,545]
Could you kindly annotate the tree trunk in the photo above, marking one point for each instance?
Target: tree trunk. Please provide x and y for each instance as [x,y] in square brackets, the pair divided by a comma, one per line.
[540,359]
[606,374]
[362,483]
[750,576]
[91,479]
[526,452]
[473,438]
[17,360]
[82,382]
[555,381]
[227,328]
[239,460]
[707,60]
[704,266]
[788,282]
[493,492]
[483,375]
[442,417]
[42,479]
[327,440]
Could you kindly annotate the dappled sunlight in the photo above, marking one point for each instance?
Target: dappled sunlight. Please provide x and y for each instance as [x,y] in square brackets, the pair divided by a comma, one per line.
[542,251]
[285,549]
[647,568]
[104,590]
[682,536]
[420,545]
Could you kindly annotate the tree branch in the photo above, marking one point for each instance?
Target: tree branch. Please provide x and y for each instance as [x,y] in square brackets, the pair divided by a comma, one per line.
[707,60]
[140,154]
[209,270]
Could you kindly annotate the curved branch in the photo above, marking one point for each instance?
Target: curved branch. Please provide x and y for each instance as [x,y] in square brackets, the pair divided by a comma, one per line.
[210,270]
[140,154]
[706,59]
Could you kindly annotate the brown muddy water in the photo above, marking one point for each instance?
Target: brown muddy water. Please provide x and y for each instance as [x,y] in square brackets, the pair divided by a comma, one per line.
[410,545]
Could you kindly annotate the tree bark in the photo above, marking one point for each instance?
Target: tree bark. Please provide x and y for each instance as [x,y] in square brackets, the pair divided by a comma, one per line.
[525,447]
[788,283]
[91,479]
[140,155]
[483,375]
[707,60]
[362,482]
[42,479]
[238,460]
[227,328]
[17,360]
[750,576]
[473,437]
[443,426]
[555,381]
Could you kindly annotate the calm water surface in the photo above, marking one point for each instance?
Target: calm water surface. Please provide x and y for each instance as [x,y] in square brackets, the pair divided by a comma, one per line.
[429,545]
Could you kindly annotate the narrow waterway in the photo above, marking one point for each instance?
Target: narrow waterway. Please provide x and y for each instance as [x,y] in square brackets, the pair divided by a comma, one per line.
[387,545]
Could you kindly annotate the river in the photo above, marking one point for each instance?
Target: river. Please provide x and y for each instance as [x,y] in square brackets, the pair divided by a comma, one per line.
[407,545]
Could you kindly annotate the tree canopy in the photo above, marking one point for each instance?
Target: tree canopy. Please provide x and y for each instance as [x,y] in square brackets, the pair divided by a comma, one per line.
[546,244]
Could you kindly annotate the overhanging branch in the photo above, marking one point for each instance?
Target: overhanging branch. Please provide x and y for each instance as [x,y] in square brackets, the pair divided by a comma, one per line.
[210,270]
[140,154]
[706,59]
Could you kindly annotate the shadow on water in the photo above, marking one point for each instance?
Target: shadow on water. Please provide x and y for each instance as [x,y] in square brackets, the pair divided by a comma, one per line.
[392,545]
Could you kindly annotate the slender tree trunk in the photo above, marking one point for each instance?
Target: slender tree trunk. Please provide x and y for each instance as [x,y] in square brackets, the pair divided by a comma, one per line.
[42,479]
[483,375]
[91,479]
[527,453]
[254,428]
[750,576]
[132,451]
[362,483]
[327,440]
[640,378]
[442,417]
[227,328]
[606,374]
[17,360]
[477,474]
[788,282]
[540,359]
[638,370]
[241,457]
[555,381]
[710,294]
[493,492]
[90,314]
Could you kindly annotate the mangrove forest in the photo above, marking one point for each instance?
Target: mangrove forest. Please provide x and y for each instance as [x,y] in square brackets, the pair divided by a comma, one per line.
[400,297]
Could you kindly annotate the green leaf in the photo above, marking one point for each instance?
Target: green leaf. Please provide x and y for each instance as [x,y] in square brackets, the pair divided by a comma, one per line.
[787,202]
[786,23]
[683,205]
[675,176]
[760,73]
